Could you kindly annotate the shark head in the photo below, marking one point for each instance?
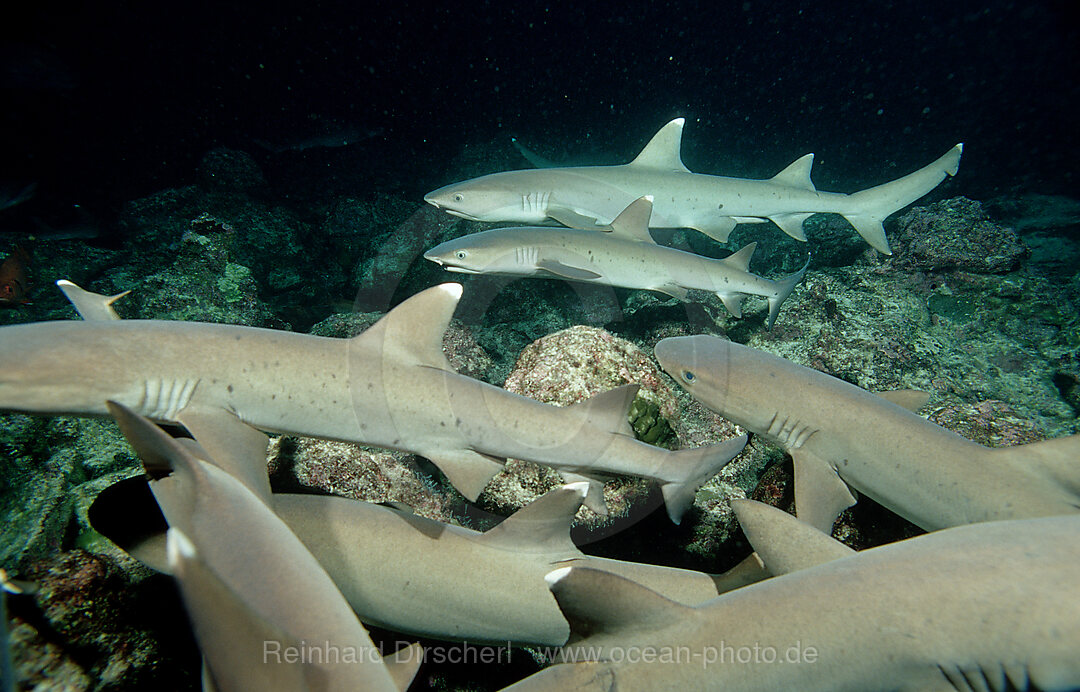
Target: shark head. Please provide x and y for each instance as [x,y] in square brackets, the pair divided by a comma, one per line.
[478,253]
[513,196]
[708,368]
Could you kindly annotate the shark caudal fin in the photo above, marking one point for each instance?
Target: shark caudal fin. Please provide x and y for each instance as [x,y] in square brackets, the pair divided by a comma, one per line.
[784,287]
[700,465]
[870,208]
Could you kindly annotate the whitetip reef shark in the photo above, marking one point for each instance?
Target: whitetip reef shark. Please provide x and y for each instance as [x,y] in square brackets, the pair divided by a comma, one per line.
[591,196]
[410,574]
[627,256]
[840,435]
[390,386]
[251,588]
[988,606]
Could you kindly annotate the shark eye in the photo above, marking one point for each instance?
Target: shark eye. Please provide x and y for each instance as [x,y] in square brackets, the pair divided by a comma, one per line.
[689,376]
[461,254]
[459,197]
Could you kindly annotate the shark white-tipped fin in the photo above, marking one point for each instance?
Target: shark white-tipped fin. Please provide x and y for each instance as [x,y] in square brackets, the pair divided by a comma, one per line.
[740,260]
[783,543]
[820,493]
[413,331]
[792,224]
[92,307]
[599,604]
[664,150]
[911,399]
[699,465]
[632,223]
[543,525]
[797,174]
[609,410]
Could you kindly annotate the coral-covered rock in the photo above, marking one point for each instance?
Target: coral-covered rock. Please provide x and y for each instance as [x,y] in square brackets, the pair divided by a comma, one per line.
[955,234]
[990,423]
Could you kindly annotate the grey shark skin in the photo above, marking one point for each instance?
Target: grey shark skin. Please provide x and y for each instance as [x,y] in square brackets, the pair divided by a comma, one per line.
[250,586]
[840,435]
[417,576]
[980,607]
[391,386]
[627,257]
[591,196]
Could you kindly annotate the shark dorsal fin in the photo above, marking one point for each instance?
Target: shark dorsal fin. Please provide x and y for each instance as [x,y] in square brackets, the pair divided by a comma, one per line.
[632,223]
[664,150]
[911,399]
[413,331]
[92,307]
[541,526]
[784,543]
[797,174]
[598,603]
[610,410]
[741,259]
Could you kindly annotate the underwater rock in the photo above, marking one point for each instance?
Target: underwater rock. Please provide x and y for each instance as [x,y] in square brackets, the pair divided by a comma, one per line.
[229,170]
[357,472]
[990,423]
[955,234]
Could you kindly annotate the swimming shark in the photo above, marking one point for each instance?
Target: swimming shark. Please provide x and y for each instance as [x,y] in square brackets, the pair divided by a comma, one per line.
[390,386]
[252,589]
[840,435]
[627,257]
[979,607]
[410,574]
[591,196]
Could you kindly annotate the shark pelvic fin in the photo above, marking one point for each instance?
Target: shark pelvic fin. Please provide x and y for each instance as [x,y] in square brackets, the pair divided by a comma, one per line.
[664,150]
[600,604]
[792,224]
[797,174]
[698,466]
[413,331]
[468,471]
[733,302]
[718,228]
[674,291]
[820,493]
[782,542]
[632,223]
[910,399]
[92,307]
[543,525]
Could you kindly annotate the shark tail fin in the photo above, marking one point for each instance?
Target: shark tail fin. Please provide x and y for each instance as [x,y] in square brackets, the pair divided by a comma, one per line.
[701,464]
[1056,460]
[784,287]
[871,207]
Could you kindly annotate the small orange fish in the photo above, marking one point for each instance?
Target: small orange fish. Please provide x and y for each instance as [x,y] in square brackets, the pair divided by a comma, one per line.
[13,281]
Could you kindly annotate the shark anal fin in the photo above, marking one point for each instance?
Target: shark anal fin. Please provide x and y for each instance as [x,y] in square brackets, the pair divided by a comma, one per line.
[792,224]
[783,543]
[718,228]
[567,271]
[231,445]
[733,302]
[543,525]
[820,493]
[572,219]
[468,471]
[911,399]
[674,291]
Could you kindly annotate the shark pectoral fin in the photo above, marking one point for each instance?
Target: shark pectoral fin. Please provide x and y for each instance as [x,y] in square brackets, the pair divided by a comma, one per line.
[468,471]
[718,228]
[792,224]
[567,271]
[541,526]
[594,497]
[610,410]
[92,307]
[231,445]
[911,399]
[674,291]
[403,664]
[797,174]
[413,331]
[602,604]
[572,219]
[633,222]
[733,302]
[820,493]
[782,542]
[697,466]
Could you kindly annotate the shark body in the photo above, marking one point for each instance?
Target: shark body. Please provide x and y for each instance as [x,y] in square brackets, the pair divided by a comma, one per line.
[840,435]
[627,257]
[591,196]
[391,386]
[978,607]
